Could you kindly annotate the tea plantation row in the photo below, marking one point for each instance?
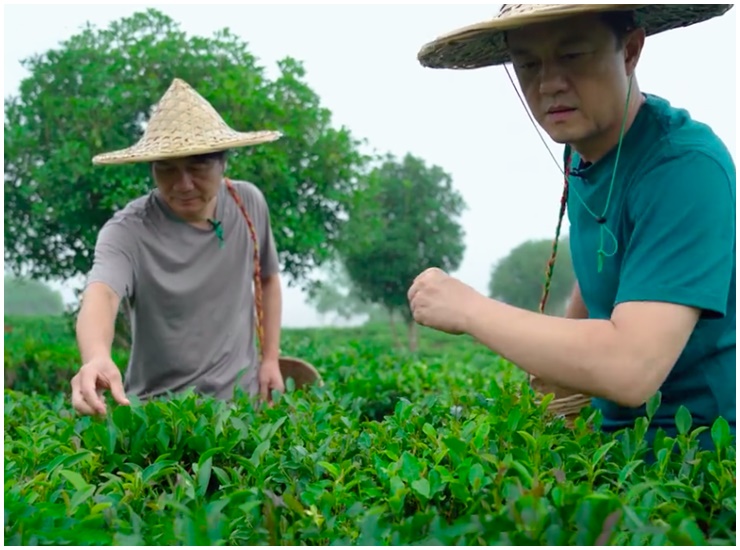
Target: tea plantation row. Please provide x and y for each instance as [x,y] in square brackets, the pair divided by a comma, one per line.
[445,446]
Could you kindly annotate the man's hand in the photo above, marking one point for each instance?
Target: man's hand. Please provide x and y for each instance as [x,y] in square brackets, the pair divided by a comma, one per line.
[89,383]
[441,302]
[270,379]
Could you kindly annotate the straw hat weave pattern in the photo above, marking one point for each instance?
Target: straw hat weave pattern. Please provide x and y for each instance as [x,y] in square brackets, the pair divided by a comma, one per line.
[483,44]
[184,124]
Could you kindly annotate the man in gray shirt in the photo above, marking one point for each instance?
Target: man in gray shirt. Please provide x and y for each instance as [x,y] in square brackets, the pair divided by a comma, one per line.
[181,257]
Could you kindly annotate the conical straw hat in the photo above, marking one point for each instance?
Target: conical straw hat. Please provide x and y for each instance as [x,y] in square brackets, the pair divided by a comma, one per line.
[184,124]
[483,44]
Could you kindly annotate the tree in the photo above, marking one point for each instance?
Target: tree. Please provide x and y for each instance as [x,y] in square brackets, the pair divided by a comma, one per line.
[94,94]
[29,297]
[403,220]
[519,278]
[338,295]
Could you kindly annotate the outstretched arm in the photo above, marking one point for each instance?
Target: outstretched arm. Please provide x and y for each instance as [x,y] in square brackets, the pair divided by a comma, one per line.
[96,321]
[624,359]
[683,212]
[111,278]
[270,377]
[272,307]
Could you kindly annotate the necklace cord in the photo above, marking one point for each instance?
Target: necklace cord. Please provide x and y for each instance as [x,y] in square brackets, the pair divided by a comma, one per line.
[601,220]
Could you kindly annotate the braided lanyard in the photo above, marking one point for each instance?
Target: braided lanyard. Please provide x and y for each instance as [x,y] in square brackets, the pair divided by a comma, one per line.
[601,220]
[257,267]
[551,262]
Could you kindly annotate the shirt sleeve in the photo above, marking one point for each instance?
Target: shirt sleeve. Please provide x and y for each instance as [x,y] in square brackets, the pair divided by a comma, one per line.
[113,262]
[259,212]
[682,246]
[269,263]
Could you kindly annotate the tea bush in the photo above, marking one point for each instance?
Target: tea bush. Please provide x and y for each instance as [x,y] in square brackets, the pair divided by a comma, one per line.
[446,446]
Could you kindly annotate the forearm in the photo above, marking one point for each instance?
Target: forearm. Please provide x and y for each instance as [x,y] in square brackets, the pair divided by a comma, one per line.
[272,311]
[95,325]
[585,355]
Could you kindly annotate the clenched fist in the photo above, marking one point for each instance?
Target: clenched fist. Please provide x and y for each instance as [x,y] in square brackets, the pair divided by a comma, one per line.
[442,302]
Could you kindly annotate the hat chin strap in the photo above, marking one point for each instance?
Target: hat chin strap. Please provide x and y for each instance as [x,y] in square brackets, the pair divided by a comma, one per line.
[601,220]
[566,402]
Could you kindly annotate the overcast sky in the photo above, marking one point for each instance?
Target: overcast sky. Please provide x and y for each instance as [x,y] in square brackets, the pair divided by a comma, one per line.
[361,60]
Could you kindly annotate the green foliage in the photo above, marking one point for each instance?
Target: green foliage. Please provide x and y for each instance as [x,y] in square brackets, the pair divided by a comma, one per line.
[404,220]
[445,447]
[519,278]
[336,294]
[31,297]
[103,83]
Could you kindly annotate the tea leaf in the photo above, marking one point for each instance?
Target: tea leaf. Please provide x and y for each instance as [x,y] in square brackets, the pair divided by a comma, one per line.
[515,415]
[683,420]
[160,467]
[429,448]
[429,430]
[80,497]
[627,470]
[720,433]
[370,530]
[687,533]
[331,468]
[476,476]
[75,479]
[601,452]
[209,453]
[653,404]
[259,452]
[204,475]
[594,518]
[481,434]
[530,441]
[410,466]
[421,486]
[67,461]
[455,445]
[294,504]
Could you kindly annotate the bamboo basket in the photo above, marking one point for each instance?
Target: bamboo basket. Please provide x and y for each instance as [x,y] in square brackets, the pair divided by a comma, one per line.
[302,372]
[566,403]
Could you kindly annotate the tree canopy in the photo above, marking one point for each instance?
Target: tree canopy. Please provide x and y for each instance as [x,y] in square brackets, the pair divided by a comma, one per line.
[30,297]
[404,220]
[94,93]
[519,278]
[336,294]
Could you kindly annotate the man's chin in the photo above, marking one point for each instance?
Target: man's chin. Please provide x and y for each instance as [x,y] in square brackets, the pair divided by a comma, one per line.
[188,213]
[564,136]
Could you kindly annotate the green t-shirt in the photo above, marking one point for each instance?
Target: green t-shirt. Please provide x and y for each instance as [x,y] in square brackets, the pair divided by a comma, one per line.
[668,236]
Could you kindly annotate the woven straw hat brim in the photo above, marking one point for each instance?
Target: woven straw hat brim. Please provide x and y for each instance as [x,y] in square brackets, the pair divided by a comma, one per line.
[184,146]
[184,124]
[483,45]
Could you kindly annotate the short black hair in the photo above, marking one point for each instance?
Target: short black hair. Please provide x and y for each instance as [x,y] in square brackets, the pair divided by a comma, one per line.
[205,157]
[217,155]
[621,23]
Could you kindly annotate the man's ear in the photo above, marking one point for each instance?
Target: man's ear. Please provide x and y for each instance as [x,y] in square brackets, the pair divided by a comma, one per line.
[633,45]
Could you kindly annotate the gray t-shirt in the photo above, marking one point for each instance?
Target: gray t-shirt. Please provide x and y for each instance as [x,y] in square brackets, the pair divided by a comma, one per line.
[191,301]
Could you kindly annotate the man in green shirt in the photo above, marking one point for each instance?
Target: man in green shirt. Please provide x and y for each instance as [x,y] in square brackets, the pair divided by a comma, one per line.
[650,195]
